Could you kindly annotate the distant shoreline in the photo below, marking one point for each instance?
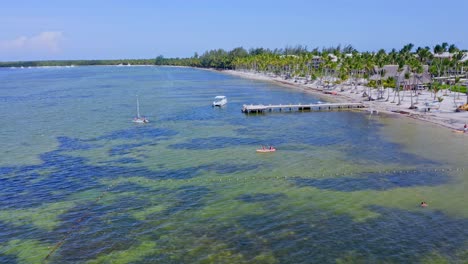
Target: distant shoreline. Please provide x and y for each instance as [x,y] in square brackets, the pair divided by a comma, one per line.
[72,66]
[113,65]
[59,63]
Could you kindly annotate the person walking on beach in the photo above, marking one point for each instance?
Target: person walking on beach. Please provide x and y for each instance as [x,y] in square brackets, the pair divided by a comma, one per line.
[465,128]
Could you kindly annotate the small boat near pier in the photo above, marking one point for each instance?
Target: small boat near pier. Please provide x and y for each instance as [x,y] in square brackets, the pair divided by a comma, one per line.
[220,100]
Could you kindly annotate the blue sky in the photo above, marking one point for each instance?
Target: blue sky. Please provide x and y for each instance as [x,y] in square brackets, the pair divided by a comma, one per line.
[101,29]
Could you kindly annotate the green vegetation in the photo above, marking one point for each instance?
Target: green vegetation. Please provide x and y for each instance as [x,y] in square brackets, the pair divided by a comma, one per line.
[330,66]
[453,88]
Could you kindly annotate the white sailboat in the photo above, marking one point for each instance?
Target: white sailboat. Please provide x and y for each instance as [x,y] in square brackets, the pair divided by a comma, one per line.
[138,118]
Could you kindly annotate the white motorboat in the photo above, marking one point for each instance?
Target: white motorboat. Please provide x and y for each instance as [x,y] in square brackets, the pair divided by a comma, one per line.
[138,118]
[220,100]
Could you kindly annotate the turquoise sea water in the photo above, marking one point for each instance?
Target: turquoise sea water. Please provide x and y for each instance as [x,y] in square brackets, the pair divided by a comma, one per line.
[81,183]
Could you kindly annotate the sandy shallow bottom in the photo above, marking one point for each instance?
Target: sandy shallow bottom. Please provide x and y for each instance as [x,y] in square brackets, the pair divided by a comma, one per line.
[81,183]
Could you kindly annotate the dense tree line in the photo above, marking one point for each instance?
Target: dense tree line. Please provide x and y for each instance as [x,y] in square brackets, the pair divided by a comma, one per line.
[333,63]
[445,64]
[297,60]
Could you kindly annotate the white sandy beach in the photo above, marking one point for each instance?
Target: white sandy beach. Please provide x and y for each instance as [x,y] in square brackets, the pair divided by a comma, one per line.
[444,114]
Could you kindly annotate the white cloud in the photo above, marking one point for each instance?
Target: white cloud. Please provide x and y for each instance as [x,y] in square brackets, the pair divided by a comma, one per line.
[47,41]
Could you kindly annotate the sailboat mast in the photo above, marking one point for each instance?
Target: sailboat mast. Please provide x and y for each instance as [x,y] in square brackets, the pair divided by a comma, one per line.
[138,108]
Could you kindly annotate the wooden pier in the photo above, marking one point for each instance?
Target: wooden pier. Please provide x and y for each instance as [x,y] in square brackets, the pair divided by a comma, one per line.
[260,108]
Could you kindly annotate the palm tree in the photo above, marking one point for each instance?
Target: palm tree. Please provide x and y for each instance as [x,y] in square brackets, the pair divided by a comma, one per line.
[355,66]
[444,46]
[438,49]
[456,62]
[381,87]
[380,61]
[393,55]
[397,82]
[324,68]
[424,55]
[370,70]
[415,67]
[456,96]
[343,68]
[452,49]
[407,49]
[388,81]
